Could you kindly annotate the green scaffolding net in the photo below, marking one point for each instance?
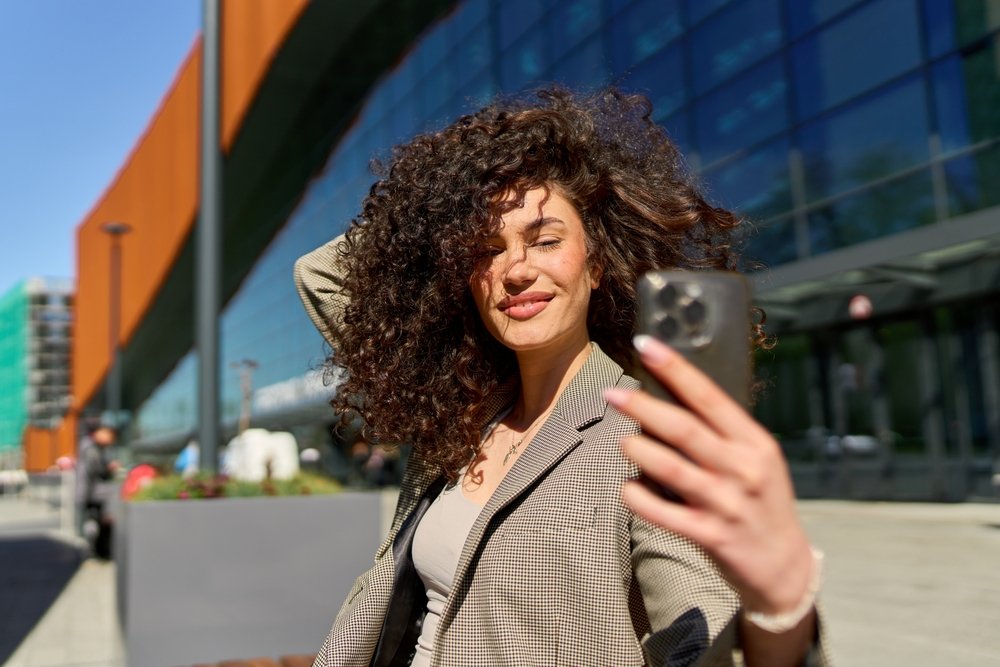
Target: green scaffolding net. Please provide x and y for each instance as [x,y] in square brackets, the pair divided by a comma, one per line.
[13,366]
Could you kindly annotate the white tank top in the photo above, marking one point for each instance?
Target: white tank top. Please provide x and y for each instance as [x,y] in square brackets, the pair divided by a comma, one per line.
[437,546]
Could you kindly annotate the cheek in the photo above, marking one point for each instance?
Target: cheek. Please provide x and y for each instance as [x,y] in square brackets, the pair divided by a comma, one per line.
[480,285]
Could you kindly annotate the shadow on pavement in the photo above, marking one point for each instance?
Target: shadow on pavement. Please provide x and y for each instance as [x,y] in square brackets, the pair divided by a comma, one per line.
[33,571]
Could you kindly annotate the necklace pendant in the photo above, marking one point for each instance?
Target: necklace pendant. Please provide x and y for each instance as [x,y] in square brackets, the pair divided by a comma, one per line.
[511,451]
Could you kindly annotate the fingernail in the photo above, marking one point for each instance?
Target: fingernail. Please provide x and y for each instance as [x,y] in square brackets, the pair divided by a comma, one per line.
[616,397]
[652,349]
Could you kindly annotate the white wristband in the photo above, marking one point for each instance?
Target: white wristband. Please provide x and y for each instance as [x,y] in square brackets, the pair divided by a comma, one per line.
[778,623]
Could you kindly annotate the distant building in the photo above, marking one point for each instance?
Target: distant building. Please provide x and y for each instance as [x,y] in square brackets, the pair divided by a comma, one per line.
[862,137]
[36,331]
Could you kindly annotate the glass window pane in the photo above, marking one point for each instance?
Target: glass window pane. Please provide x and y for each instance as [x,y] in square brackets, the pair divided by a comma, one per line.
[865,49]
[473,55]
[743,112]
[570,22]
[966,97]
[437,88]
[757,185]
[956,23]
[661,79]
[477,94]
[699,9]
[877,137]
[804,15]
[896,206]
[973,181]
[783,406]
[733,40]
[773,243]
[583,69]
[678,128]
[642,31]
[525,63]
[515,17]
[470,14]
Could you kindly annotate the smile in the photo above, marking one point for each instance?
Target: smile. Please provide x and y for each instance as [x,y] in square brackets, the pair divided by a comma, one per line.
[525,306]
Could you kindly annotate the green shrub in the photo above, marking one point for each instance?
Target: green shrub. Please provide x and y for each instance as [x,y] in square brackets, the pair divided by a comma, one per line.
[174,487]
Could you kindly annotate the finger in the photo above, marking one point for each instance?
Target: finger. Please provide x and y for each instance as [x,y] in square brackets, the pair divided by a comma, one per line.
[694,389]
[663,465]
[674,425]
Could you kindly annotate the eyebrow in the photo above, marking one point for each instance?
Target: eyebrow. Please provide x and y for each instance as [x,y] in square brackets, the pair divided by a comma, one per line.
[537,224]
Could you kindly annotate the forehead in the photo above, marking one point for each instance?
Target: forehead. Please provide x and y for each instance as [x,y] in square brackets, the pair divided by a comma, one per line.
[540,207]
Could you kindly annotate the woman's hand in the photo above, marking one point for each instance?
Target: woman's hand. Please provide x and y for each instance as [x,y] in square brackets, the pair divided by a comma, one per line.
[739,504]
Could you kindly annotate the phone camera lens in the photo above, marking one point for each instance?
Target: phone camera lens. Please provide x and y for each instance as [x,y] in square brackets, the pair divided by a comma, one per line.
[694,314]
[668,296]
[668,328]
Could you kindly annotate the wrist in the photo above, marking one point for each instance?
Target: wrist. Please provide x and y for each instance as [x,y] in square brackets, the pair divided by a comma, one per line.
[786,620]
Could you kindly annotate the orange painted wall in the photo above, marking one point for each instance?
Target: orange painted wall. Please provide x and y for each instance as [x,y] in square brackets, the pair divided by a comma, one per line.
[156,190]
[43,446]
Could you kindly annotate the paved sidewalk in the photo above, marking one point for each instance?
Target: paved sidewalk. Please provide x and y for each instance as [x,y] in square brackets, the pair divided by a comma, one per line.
[57,607]
[915,585]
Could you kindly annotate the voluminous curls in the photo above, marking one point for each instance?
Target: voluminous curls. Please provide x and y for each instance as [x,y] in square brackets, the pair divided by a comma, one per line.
[420,365]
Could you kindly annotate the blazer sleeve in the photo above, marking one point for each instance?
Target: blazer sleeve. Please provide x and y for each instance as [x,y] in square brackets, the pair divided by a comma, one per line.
[319,282]
[692,610]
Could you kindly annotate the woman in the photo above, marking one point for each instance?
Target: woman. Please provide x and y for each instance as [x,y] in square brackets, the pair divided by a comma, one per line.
[483,305]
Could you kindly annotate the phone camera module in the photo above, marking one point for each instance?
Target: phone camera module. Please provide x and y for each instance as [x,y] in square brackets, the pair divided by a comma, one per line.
[668,296]
[694,314]
[668,328]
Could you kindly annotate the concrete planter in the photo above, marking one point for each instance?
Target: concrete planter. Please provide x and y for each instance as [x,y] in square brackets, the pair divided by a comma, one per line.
[206,580]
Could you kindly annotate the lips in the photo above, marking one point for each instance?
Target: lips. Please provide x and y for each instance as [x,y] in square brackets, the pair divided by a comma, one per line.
[525,306]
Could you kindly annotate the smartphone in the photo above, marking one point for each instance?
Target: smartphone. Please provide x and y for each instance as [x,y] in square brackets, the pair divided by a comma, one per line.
[704,315]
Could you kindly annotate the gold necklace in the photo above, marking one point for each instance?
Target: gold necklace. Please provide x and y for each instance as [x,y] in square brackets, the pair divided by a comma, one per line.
[514,445]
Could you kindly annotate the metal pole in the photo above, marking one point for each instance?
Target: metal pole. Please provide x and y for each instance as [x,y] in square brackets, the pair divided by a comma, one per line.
[207,284]
[114,398]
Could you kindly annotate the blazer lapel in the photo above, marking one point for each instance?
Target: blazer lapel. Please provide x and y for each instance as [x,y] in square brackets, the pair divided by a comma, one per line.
[581,404]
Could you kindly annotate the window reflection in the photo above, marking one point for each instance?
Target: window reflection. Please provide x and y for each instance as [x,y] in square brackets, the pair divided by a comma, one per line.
[517,17]
[570,22]
[473,55]
[661,79]
[733,40]
[773,243]
[878,136]
[967,97]
[803,15]
[956,23]
[902,204]
[757,185]
[742,113]
[678,128]
[864,49]
[699,9]
[584,69]
[972,181]
[643,30]
[525,62]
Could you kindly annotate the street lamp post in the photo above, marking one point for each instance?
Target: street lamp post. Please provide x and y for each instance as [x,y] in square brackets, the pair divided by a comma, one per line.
[246,368]
[113,404]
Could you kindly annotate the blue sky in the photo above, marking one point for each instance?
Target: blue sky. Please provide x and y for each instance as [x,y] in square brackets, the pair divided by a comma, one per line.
[79,82]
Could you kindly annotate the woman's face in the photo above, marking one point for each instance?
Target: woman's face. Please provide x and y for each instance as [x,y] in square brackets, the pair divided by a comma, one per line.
[533,287]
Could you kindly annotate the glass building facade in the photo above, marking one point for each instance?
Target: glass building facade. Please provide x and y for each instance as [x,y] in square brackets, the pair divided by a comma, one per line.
[833,125]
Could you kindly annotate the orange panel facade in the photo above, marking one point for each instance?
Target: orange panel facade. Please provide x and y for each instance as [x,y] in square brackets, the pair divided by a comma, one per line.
[43,446]
[156,191]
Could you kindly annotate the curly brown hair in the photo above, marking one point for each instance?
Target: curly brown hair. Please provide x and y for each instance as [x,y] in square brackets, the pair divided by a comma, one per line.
[412,341]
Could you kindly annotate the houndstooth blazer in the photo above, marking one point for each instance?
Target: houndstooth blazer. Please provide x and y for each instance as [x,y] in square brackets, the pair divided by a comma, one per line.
[556,570]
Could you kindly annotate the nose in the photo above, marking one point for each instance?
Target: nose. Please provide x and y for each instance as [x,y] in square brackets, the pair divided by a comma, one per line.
[519,270]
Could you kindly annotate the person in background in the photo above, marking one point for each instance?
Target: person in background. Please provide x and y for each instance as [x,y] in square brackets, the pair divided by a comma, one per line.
[96,467]
[483,305]
[188,460]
